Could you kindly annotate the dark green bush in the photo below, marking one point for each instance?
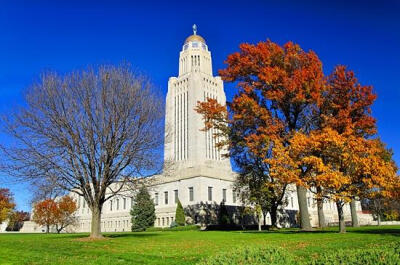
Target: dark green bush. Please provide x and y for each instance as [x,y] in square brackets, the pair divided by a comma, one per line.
[184,228]
[179,214]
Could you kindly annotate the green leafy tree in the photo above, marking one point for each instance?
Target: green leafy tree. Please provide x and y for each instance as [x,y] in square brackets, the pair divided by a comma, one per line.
[143,210]
[180,214]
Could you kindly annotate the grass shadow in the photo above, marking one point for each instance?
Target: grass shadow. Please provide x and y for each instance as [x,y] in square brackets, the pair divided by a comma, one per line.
[130,234]
[378,231]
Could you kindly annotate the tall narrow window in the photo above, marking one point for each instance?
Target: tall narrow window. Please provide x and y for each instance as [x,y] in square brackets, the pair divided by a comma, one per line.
[156,198]
[166,197]
[131,202]
[210,193]
[233,196]
[191,195]
[111,205]
[176,196]
[291,201]
[224,195]
[117,204]
[124,203]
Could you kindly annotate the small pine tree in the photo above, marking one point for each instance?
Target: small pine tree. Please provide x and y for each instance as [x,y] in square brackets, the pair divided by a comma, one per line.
[180,214]
[223,216]
[143,210]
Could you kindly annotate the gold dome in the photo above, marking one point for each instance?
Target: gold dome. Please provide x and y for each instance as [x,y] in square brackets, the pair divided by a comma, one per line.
[195,37]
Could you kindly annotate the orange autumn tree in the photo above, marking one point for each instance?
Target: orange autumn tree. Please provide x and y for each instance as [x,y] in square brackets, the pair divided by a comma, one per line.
[343,166]
[279,88]
[341,160]
[65,215]
[6,204]
[59,214]
[45,213]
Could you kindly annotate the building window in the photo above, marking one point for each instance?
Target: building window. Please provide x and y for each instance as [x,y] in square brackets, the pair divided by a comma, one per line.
[156,198]
[124,203]
[131,202]
[291,201]
[210,193]
[117,204]
[233,196]
[176,196]
[195,44]
[166,197]
[163,223]
[191,195]
[111,205]
[167,221]
[224,195]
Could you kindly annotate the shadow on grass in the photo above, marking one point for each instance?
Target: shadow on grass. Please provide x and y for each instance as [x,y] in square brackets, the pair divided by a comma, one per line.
[130,234]
[378,231]
[395,231]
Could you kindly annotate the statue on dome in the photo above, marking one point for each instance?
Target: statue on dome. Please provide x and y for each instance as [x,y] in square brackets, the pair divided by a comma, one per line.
[194,29]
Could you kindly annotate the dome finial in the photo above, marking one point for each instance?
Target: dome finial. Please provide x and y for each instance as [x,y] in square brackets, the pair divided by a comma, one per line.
[194,29]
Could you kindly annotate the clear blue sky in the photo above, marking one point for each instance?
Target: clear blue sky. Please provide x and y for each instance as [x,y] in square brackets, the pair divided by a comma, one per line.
[68,35]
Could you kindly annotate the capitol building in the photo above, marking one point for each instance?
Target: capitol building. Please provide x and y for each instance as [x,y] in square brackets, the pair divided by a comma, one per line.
[200,176]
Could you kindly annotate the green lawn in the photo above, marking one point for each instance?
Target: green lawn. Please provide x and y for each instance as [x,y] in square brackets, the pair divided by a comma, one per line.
[184,247]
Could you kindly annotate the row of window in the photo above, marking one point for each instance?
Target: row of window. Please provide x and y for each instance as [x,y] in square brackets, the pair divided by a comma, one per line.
[195,44]
[191,196]
[181,130]
[117,204]
[122,203]
[183,81]
[164,221]
[209,81]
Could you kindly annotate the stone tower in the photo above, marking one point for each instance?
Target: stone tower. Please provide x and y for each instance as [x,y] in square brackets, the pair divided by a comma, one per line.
[191,150]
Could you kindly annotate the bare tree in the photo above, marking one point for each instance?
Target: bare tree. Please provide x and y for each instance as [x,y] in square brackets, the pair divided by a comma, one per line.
[86,130]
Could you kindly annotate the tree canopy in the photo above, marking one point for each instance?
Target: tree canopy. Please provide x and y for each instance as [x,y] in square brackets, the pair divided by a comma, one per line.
[290,124]
[84,131]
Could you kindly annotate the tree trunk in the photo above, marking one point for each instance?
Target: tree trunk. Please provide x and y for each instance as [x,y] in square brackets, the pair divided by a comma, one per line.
[265,219]
[321,215]
[274,216]
[379,219]
[342,224]
[96,223]
[303,208]
[47,229]
[259,221]
[354,217]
